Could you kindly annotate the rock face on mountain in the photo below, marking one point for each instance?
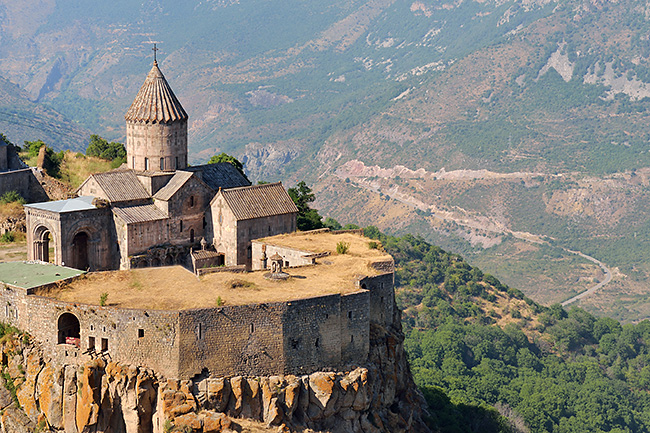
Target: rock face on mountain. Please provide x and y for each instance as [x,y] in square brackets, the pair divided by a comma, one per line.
[104,396]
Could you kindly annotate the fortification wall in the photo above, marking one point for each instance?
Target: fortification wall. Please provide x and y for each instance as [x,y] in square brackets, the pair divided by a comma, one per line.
[312,334]
[382,297]
[243,339]
[140,337]
[355,329]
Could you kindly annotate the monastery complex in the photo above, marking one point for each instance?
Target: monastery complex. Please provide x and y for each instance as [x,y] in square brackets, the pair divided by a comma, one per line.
[192,270]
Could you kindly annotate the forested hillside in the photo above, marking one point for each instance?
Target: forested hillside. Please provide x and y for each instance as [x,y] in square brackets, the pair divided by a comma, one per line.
[476,344]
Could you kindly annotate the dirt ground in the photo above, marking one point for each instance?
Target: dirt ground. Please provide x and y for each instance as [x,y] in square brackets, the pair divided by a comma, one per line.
[174,288]
[14,251]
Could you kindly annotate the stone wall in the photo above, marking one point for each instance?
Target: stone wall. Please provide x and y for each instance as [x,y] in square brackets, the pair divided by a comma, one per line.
[100,247]
[249,230]
[355,314]
[39,223]
[312,334]
[153,182]
[186,210]
[143,337]
[143,235]
[244,339]
[382,297]
[261,251]
[156,141]
[23,182]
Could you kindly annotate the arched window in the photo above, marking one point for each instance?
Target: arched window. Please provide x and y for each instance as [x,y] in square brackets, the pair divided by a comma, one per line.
[68,329]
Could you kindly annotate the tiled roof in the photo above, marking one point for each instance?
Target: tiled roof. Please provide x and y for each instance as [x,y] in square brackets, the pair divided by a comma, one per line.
[174,184]
[61,206]
[120,185]
[205,254]
[221,175]
[259,201]
[139,214]
[155,101]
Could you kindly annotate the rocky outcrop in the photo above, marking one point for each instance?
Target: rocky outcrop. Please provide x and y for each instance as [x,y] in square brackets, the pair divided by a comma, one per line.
[109,397]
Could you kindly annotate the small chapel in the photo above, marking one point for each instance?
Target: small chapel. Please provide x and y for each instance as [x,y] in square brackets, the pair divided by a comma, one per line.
[155,210]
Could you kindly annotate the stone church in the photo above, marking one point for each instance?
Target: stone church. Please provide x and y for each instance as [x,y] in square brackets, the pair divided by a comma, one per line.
[155,210]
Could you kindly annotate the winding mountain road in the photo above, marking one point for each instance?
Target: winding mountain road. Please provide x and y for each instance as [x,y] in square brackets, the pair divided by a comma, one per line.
[590,291]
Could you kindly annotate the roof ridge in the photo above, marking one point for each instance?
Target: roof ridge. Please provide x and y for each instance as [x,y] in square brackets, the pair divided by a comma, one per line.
[238,188]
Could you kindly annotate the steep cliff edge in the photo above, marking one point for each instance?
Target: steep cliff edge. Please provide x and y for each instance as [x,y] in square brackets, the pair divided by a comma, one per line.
[104,396]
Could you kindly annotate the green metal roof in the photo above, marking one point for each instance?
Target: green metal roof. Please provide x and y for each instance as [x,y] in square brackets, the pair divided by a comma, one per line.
[33,274]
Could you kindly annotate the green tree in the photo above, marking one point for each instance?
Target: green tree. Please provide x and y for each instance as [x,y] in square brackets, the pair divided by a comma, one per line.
[224,157]
[101,148]
[332,224]
[302,196]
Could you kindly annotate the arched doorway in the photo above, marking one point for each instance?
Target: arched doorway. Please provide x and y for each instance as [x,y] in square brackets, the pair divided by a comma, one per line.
[68,329]
[42,244]
[80,251]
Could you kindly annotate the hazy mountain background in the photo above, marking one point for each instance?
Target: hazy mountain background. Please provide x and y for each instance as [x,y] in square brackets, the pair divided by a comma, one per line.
[509,131]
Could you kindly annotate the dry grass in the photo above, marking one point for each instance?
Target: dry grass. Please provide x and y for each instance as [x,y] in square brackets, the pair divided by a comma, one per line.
[326,242]
[76,167]
[11,210]
[173,288]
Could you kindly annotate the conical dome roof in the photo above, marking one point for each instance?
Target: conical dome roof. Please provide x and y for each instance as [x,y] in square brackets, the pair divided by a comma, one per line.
[155,101]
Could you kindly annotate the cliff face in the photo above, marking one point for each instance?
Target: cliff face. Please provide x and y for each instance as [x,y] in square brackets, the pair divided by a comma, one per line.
[109,397]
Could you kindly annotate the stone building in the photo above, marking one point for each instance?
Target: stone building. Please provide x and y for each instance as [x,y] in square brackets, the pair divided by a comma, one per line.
[154,210]
[16,176]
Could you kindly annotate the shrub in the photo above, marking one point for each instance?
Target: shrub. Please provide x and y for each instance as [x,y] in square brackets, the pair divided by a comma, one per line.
[12,196]
[342,247]
[219,301]
[102,299]
[8,237]
[373,245]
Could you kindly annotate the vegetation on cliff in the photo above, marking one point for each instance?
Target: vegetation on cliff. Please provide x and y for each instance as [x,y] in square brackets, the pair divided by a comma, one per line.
[475,343]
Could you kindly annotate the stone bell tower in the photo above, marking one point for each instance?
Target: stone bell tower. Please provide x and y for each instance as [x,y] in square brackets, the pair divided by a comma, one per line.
[156,127]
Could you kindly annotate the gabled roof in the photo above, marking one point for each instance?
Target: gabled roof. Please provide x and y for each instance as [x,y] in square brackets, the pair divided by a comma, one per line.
[119,185]
[62,206]
[139,213]
[175,183]
[258,201]
[221,175]
[155,102]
